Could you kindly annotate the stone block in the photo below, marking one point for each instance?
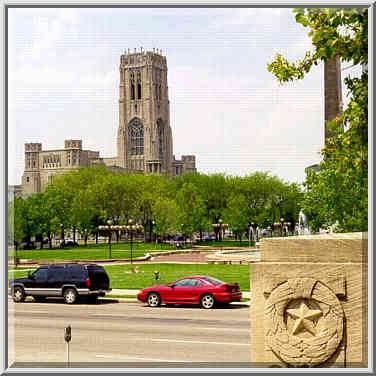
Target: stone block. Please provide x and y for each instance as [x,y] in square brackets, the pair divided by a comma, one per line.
[309,309]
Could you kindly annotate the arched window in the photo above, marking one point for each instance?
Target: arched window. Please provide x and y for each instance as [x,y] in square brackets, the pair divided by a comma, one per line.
[133,94]
[160,131]
[139,95]
[136,137]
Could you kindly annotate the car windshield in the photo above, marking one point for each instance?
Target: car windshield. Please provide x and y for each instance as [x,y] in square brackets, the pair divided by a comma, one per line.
[214,281]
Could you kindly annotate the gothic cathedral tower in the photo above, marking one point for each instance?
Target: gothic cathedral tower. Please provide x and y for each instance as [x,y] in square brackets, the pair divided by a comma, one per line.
[144,138]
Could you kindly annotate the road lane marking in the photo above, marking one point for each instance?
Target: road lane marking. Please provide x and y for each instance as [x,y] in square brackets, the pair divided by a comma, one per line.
[201,342]
[136,358]
[109,314]
[206,328]
[230,329]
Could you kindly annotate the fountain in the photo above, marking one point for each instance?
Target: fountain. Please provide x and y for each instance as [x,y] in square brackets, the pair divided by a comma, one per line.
[303,228]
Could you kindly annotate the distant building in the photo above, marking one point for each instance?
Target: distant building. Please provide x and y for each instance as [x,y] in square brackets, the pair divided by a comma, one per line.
[144,140]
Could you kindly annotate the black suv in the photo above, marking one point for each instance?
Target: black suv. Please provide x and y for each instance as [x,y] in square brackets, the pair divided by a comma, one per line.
[67,280]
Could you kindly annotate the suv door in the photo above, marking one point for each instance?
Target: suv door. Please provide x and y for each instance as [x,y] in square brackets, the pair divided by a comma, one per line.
[56,279]
[37,282]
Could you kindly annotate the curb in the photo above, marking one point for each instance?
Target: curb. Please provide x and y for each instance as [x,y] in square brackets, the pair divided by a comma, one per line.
[128,300]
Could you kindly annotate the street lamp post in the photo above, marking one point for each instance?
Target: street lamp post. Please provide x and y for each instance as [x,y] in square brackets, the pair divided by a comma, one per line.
[133,229]
[155,235]
[251,234]
[218,228]
[276,225]
[109,222]
[281,220]
[109,228]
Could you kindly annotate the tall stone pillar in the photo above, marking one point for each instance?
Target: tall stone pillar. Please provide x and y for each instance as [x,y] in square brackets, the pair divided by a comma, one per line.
[309,302]
[333,92]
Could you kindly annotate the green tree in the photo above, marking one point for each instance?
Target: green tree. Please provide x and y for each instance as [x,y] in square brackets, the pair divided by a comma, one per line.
[17,221]
[338,193]
[191,209]
[165,216]
[42,213]
[236,214]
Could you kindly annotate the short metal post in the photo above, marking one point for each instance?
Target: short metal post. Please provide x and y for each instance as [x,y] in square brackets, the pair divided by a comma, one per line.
[68,354]
[68,337]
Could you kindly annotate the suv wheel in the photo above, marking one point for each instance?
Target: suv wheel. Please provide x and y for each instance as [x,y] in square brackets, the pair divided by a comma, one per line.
[18,294]
[70,296]
[154,300]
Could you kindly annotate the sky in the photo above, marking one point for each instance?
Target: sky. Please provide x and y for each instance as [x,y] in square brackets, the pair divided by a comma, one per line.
[225,107]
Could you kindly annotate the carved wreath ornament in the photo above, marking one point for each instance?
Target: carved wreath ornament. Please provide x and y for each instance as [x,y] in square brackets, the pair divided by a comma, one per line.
[304,322]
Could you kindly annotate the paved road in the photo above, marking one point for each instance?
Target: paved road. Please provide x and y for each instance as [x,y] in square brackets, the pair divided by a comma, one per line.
[128,334]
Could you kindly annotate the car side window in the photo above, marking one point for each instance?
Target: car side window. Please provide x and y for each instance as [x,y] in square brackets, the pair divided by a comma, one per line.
[182,282]
[56,273]
[40,275]
[76,271]
[188,282]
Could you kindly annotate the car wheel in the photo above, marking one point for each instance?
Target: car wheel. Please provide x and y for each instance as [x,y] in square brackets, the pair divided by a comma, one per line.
[70,296]
[18,294]
[154,300]
[39,299]
[207,301]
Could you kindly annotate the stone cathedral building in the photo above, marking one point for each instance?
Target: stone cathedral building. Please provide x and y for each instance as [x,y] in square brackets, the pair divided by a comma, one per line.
[144,139]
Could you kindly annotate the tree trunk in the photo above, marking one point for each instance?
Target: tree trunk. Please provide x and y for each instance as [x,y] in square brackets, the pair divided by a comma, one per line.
[74,233]
[96,237]
[86,236]
[200,235]
[150,230]
[49,240]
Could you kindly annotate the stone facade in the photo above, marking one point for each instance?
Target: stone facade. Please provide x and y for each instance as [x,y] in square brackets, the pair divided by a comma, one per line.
[41,166]
[144,135]
[309,302]
[144,140]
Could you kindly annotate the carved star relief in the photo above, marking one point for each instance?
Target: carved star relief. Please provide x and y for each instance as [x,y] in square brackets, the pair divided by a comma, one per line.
[304,317]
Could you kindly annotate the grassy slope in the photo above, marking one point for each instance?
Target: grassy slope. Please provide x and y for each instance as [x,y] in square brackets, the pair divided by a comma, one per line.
[121,278]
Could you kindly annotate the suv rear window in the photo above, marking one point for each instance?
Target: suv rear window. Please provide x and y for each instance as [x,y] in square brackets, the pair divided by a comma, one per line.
[76,271]
[95,268]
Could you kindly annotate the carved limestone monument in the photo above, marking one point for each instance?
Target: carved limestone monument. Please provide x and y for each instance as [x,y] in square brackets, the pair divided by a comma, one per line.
[309,302]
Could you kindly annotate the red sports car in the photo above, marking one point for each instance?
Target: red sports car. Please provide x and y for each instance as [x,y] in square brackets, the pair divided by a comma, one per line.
[202,290]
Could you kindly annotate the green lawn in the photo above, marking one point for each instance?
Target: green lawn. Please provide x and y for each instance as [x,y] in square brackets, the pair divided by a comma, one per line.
[169,272]
[91,251]
[120,279]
